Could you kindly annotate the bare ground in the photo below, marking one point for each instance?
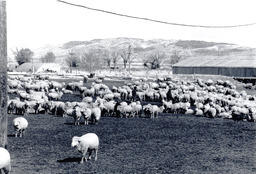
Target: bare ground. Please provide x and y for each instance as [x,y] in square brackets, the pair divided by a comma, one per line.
[169,144]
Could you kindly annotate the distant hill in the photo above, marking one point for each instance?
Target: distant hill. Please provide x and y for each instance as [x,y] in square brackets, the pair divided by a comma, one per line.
[185,48]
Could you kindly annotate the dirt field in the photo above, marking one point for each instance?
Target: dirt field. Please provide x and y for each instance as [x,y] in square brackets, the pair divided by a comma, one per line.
[169,144]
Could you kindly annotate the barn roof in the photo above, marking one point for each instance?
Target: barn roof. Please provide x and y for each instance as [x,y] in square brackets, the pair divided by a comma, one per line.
[28,66]
[218,61]
[39,67]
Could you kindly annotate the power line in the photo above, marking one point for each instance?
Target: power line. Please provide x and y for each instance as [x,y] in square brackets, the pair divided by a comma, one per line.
[154,20]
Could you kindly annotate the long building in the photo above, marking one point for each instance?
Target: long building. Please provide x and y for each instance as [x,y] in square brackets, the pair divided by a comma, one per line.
[235,66]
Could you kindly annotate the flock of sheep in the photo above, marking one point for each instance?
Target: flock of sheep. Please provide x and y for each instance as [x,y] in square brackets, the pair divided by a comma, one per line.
[142,98]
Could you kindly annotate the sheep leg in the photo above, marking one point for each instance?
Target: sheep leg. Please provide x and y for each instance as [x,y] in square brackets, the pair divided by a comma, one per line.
[23,132]
[90,154]
[77,121]
[84,156]
[20,132]
[6,169]
[96,154]
[16,133]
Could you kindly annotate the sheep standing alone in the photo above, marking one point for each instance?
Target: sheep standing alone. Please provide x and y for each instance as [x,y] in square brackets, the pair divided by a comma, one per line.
[88,142]
[20,124]
[5,161]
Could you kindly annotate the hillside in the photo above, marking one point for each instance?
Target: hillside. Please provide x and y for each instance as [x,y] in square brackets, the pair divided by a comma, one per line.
[142,48]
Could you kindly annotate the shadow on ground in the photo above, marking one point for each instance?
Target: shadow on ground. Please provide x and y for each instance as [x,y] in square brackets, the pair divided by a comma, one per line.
[70,160]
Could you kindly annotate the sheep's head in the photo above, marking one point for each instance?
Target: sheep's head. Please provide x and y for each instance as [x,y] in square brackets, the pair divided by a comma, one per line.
[75,141]
[161,109]
[16,124]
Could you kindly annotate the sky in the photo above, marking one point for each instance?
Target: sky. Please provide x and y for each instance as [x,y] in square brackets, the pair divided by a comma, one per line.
[37,23]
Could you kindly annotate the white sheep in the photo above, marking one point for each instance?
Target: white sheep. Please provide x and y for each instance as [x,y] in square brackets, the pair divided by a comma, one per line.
[199,112]
[189,112]
[156,110]
[86,112]
[127,111]
[5,161]
[87,100]
[110,106]
[137,107]
[88,142]
[76,113]
[95,115]
[20,124]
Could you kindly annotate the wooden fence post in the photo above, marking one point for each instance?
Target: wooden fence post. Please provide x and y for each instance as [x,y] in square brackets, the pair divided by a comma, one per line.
[3,75]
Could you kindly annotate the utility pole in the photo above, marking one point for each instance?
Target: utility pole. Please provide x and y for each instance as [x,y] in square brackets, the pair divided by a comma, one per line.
[3,75]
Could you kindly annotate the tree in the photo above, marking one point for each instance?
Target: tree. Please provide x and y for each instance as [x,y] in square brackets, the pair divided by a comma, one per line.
[90,60]
[23,55]
[175,56]
[105,54]
[154,59]
[72,60]
[48,57]
[126,55]
[114,57]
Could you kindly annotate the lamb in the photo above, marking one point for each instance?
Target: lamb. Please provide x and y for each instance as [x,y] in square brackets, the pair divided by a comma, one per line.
[88,142]
[5,161]
[20,124]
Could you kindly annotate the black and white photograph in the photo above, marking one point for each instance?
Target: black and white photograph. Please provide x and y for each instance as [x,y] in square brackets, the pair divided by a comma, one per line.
[127,87]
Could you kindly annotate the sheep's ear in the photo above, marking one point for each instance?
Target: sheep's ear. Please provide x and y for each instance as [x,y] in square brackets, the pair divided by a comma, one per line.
[75,138]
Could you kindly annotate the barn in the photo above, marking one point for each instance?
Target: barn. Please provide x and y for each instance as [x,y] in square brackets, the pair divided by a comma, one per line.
[40,67]
[234,66]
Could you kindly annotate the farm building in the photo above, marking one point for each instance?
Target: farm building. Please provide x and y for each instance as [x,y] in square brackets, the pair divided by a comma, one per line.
[40,67]
[234,66]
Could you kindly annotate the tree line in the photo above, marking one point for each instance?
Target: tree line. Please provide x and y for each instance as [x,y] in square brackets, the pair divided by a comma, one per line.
[94,59]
